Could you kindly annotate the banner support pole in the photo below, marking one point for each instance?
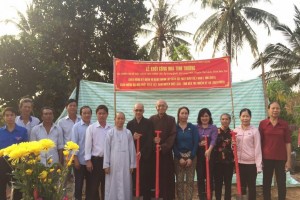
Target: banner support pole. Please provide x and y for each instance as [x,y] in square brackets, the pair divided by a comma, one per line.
[115,95]
[231,96]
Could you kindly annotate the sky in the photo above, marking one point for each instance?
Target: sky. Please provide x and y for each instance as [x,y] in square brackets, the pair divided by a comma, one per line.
[241,70]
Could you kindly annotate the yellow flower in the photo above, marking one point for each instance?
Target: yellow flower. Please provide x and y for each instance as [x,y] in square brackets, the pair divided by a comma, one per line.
[36,147]
[71,146]
[16,154]
[50,160]
[66,153]
[43,175]
[58,171]
[1,152]
[31,162]
[47,144]
[9,149]
[51,170]
[28,171]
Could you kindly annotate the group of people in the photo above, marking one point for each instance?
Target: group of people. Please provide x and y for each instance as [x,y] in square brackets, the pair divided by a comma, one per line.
[107,154]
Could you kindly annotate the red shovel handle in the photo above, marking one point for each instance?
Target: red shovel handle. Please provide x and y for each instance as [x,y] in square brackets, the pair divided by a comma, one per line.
[237,169]
[208,194]
[157,167]
[137,180]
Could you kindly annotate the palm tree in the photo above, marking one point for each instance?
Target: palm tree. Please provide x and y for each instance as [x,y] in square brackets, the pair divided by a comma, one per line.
[24,23]
[284,60]
[229,26]
[163,26]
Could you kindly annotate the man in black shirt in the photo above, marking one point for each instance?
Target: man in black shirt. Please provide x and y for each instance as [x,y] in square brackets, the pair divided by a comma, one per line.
[142,128]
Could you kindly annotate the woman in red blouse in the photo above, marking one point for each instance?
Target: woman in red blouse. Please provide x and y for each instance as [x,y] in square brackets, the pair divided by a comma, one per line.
[276,151]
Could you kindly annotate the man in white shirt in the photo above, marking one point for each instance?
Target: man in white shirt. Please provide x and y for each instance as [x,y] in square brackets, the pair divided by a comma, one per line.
[94,151]
[48,130]
[25,119]
[68,122]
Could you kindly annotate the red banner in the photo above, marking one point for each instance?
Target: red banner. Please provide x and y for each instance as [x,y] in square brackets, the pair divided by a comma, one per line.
[198,74]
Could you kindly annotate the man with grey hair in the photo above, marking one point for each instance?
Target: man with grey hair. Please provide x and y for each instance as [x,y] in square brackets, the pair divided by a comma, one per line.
[167,125]
[25,119]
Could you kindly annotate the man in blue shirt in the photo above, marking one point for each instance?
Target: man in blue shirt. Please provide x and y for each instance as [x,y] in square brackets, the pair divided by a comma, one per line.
[67,123]
[9,134]
[78,136]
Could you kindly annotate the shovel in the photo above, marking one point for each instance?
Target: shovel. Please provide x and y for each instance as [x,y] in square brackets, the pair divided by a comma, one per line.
[208,194]
[237,169]
[137,180]
[157,169]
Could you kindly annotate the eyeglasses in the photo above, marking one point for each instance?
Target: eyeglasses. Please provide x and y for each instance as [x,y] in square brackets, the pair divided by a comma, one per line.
[138,110]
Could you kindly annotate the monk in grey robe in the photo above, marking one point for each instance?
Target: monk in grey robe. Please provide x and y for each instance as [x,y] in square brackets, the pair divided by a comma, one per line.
[119,161]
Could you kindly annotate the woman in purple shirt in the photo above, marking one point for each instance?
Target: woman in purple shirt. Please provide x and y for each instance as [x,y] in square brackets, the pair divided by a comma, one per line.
[205,129]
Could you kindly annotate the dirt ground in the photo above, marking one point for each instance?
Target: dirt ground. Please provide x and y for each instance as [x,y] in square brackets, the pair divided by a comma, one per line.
[293,193]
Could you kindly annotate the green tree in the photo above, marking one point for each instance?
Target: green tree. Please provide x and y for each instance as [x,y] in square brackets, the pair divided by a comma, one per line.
[280,92]
[86,35]
[181,52]
[163,28]
[62,42]
[23,74]
[284,59]
[229,27]
[25,70]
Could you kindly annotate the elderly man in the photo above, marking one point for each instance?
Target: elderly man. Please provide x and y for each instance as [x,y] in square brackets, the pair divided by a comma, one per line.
[166,124]
[25,119]
[142,128]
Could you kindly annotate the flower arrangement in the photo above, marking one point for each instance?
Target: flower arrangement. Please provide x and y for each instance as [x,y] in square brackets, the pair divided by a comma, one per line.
[39,181]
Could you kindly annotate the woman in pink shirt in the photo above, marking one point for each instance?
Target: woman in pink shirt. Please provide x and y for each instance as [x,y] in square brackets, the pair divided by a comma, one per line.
[249,153]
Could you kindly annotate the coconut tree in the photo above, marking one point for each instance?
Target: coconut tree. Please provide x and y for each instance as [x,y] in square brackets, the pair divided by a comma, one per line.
[163,28]
[229,27]
[284,60]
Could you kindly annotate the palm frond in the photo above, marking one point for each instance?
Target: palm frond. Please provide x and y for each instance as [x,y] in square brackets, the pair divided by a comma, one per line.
[261,17]
[206,31]
[164,27]
[229,26]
